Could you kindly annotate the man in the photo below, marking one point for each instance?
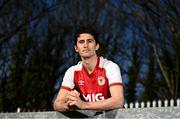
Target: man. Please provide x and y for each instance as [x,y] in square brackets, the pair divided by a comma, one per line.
[94,83]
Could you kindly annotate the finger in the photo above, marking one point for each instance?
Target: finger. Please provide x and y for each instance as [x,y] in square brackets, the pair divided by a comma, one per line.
[72,94]
[72,98]
[72,103]
[68,102]
[76,92]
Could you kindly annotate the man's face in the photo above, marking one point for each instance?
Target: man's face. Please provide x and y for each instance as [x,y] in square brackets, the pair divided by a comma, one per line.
[86,45]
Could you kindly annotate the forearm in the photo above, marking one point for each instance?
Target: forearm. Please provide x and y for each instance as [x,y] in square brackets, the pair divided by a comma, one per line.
[107,104]
[60,106]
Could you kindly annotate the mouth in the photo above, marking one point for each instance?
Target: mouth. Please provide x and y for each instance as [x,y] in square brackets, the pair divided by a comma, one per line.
[86,50]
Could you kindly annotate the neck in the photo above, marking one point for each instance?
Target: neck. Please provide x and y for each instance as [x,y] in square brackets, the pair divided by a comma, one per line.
[90,63]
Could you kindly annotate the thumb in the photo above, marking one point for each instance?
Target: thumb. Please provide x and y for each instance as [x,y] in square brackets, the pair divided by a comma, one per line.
[76,92]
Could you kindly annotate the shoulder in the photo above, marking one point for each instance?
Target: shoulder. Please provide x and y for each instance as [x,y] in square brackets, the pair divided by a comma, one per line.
[76,67]
[107,64]
[112,71]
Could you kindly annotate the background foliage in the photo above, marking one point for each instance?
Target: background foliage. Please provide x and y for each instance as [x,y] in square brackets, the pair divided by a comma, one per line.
[142,37]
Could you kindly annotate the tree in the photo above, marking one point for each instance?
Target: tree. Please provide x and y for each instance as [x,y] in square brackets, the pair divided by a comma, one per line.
[159,26]
[133,73]
[151,82]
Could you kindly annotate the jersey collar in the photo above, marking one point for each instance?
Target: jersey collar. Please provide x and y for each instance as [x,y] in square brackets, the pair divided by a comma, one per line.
[96,67]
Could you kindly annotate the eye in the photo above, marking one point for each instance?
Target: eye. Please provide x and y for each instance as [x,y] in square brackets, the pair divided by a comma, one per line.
[81,41]
[90,40]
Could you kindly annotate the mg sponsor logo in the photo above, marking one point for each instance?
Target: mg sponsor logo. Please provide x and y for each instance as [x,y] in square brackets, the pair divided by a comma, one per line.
[93,97]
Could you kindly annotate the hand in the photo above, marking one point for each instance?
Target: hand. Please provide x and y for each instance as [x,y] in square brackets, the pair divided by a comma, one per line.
[75,100]
[62,107]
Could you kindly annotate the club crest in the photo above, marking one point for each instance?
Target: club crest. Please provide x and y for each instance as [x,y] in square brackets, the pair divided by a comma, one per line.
[101,80]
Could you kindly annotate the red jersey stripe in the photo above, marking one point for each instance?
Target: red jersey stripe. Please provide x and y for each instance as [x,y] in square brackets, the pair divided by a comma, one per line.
[66,88]
[114,84]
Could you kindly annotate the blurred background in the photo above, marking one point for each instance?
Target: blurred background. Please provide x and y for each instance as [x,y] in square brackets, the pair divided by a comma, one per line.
[36,47]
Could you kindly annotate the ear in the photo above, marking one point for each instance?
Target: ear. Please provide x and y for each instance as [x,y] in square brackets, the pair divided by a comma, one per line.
[76,49]
[97,46]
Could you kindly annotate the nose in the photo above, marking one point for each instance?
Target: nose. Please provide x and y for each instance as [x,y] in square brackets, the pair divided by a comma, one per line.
[85,44]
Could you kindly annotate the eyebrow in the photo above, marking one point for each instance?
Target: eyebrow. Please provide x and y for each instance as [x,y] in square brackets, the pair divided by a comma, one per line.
[87,39]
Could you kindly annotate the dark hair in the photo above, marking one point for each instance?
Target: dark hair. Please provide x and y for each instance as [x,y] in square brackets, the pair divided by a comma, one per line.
[90,29]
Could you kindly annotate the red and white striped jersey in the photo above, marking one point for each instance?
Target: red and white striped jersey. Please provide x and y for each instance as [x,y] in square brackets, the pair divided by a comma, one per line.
[94,86]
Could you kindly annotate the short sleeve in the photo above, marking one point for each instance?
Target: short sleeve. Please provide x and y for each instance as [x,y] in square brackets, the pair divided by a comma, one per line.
[68,80]
[113,74]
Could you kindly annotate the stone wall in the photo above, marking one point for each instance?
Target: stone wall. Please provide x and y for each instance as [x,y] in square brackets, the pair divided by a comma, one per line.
[135,113]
